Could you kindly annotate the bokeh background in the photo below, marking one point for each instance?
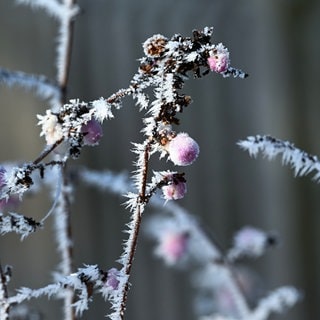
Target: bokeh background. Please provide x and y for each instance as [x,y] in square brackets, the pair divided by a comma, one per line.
[275,41]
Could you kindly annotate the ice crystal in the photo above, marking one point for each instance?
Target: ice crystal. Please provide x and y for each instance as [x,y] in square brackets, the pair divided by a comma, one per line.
[39,84]
[102,110]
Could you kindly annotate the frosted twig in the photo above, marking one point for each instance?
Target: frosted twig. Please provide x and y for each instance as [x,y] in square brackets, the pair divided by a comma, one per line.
[134,228]
[64,48]
[82,282]
[42,86]
[64,239]
[4,304]
[48,149]
[117,183]
[63,214]
[276,302]
[300,161]
[19,224]
[52,7]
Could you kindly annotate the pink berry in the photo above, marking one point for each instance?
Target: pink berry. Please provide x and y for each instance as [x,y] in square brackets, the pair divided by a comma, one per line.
[183,150]
[219,61]
[172,246]
[92,131]
[175,190]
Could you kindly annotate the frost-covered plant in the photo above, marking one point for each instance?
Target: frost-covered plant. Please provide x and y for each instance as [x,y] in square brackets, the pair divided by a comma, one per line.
[69,125]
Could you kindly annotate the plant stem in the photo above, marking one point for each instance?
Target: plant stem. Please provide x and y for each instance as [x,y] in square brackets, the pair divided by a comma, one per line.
[64,240]
[64,235]
[136,223]
[65,50]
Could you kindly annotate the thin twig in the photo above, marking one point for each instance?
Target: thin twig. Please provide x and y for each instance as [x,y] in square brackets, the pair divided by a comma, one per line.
[47,151]
[64,62]
[64,58]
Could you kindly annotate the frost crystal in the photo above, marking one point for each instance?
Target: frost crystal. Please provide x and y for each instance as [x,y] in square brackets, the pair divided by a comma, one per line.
[102,110]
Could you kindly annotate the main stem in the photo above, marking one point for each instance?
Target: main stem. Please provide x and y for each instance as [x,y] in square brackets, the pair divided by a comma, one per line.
[136,222]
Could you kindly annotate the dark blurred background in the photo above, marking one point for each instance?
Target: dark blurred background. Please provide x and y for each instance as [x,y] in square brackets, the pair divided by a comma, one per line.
[275,41]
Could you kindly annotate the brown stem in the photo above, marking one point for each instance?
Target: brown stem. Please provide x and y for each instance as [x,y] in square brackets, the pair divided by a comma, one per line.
[137,223]
[47,151]
[133,247]
[116,97]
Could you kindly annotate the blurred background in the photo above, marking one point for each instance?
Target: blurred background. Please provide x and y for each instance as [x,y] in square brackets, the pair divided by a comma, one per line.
[275,41]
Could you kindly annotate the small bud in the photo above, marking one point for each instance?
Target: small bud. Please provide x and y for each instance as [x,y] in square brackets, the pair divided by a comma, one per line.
[154,47]
[92,131]
[218,60]
[183,150]
[174,191]
[113,278]
[175,188]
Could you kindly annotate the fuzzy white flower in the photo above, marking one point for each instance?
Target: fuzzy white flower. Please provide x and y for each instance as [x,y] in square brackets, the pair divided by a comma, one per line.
[250,242]
[51,128]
